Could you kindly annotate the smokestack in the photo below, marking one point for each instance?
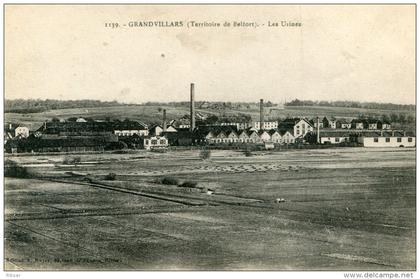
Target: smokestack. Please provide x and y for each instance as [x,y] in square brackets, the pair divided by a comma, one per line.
[317,129]
[192,109]
[261,113]
[164,120]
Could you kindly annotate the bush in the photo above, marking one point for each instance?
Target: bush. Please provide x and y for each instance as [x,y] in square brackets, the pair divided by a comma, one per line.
[168,180]
[189,184]
[72,160]
[111,176]
[205,154]
[13,169]
[248,153]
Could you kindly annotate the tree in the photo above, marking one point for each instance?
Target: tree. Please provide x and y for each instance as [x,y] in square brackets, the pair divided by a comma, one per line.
[394,117]
[310,137]
[402,118]
[410,118]
[205,154]
[385,118]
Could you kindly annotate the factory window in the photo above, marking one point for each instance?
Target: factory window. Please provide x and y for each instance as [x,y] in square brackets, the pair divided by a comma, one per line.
[398,139]
[162,141]
[147,142]
[375,140]
[410,139]
[337,139]
[154,142]
[387,139]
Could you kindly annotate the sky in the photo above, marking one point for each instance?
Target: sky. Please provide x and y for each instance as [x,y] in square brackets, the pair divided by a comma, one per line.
[356,52]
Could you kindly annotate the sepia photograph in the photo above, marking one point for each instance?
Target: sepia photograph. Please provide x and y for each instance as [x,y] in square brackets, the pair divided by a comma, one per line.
[210,137]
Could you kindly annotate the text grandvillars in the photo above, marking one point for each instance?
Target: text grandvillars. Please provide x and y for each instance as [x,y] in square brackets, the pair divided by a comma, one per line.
[156,24]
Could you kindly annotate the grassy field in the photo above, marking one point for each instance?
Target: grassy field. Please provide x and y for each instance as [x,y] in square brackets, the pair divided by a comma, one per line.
[151,114]
[343,209]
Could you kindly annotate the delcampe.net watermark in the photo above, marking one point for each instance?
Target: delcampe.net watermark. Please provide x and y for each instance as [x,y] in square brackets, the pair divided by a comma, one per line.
[385,275]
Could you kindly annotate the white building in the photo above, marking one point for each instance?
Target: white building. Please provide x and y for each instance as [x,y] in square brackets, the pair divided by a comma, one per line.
[343,124]
[276,137]
[81,120]
[22,131]
[184,126]
[288,137]
[155,142]
[266,125]
[238,125]
[387,139]
[264,136]
[301,128]
[333,137]
[129,128]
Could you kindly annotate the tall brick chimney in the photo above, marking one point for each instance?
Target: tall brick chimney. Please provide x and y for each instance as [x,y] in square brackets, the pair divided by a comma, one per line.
[261,113]
[317,130]
[192,108]
[164,120]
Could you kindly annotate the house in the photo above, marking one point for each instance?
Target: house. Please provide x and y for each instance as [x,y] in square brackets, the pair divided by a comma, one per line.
[298,127]
[128,128]
[254,137]
[374,124]
[155,130]
[221,137]
[232,136]
[275,136]
[264,136]
[386,125]
[22,131]
[9,131]
[171,129]
[209,137]
[387,139]
[155,142]
[359,124]
[287,137]
[329,123]
[314,122]
[243,136]
[333,137]
[344,124]
[266,125]
[182,123]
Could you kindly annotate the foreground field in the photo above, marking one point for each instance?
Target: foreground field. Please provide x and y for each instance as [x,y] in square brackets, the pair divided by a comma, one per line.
[341,209]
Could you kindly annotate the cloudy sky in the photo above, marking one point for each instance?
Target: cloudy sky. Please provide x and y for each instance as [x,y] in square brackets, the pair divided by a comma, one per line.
[360,53]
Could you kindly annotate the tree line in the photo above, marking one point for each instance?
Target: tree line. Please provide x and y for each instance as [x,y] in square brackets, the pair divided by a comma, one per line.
[351,104]
[37,105]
